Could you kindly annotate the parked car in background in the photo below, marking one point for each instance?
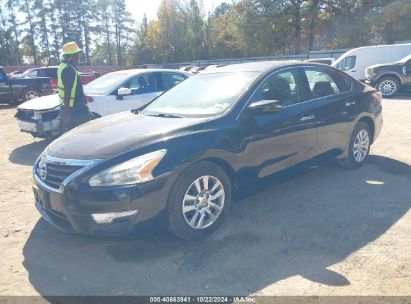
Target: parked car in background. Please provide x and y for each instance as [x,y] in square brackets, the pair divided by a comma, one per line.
[183,156]
[52,73]
[389,79]
[186,68]
[111,93]
[327,61]
[213,66]
[15,90]
[11,74]
[355,61]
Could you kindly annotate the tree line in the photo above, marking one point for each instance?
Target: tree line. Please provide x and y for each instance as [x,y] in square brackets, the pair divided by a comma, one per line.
[33,31]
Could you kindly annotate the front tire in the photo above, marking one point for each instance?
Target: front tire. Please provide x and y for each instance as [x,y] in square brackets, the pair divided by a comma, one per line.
[358,147]
[199,201]
[388,86]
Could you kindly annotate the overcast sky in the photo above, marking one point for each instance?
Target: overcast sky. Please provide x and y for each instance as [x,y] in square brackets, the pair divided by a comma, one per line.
[149,7]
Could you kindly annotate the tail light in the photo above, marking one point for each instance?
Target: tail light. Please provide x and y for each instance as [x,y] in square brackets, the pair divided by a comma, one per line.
[53,84]
[377,95]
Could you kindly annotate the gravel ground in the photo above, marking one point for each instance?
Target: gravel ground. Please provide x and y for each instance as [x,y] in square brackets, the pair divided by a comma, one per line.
[326,231]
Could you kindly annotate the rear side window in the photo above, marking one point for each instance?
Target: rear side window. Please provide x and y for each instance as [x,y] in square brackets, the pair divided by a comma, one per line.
[52,73]
[325,83]
[347,63]
[169,80]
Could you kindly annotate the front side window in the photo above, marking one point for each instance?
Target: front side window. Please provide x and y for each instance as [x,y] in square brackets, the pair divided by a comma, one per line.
[169,80]
[325,83]
[347,63]
[282,87]
[142,84]
[1,77]
[33,73]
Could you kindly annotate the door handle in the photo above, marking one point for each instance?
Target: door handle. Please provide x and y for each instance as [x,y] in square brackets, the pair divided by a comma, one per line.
[350,103]
[308,117]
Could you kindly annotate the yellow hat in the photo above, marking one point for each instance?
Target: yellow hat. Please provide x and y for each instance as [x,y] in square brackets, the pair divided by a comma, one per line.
[71,48]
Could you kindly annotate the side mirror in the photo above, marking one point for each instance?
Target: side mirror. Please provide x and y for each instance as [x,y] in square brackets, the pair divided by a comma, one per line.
[123,92]
[265,106]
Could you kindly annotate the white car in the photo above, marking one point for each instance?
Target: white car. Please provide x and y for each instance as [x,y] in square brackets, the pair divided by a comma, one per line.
[355,61]
[112,93]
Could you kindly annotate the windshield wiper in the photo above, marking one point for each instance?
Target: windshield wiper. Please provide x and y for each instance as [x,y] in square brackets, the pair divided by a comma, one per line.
[164,115]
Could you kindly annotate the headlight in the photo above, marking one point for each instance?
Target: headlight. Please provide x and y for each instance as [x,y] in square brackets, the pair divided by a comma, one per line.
[135,170]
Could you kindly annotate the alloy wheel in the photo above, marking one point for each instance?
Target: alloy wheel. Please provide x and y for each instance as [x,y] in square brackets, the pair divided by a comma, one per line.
[31,95]
[387,87]
[361,146]
[203,202]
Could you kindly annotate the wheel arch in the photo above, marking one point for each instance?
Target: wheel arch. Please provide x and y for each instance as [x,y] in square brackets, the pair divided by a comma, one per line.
[386,75]
[228,169]
[370,123]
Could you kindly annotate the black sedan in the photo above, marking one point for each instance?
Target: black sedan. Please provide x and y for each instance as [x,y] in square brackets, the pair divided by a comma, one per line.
[184,155]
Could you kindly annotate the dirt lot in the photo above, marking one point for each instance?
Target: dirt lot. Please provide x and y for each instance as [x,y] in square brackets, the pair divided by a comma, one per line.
[329,231]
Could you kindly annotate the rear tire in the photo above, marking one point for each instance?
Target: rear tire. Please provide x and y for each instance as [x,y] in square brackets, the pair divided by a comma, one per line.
[199,201]
[388,86]
[29,93]
[358,147]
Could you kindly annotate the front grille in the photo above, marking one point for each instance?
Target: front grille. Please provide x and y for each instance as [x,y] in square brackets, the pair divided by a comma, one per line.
[50,115]
[55,174]
[25,115]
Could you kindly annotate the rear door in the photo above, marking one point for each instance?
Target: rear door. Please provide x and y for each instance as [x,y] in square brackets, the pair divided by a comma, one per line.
[335,107]
[275,141]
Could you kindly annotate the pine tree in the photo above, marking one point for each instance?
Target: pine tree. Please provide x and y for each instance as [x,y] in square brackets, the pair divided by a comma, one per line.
[27,9]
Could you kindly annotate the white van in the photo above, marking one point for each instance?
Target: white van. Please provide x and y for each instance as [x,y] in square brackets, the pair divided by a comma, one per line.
[355,61]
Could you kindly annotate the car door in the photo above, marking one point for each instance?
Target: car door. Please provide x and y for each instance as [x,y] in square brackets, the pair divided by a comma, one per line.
[144,88]
[335,107]
[4,89]
[407,70]
[167,80]
[275,141]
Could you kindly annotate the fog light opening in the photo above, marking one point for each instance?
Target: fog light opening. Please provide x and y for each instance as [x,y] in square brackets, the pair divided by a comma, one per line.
[108,218]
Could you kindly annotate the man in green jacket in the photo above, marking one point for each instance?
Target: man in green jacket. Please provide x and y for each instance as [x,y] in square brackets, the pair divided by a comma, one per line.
[70,89]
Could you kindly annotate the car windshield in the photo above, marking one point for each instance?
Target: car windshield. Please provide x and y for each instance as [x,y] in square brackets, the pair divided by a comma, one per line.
[105,83]
[202,95]
[27,72]
[405,59]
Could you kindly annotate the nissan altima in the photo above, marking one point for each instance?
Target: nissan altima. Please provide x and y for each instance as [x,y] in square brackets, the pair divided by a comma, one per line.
[183,156]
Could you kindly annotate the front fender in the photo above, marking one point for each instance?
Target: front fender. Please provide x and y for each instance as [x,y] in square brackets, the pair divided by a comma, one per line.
[388,74]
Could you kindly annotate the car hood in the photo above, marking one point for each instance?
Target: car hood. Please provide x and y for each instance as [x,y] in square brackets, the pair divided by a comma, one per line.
[114,134]
[41,103]
[375,66]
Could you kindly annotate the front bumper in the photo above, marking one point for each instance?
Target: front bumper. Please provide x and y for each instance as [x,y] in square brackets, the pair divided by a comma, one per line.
[45,125]
[99,212]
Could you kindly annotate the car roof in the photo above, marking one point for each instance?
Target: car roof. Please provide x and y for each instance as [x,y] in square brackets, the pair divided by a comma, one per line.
[139,71]
[261,66]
